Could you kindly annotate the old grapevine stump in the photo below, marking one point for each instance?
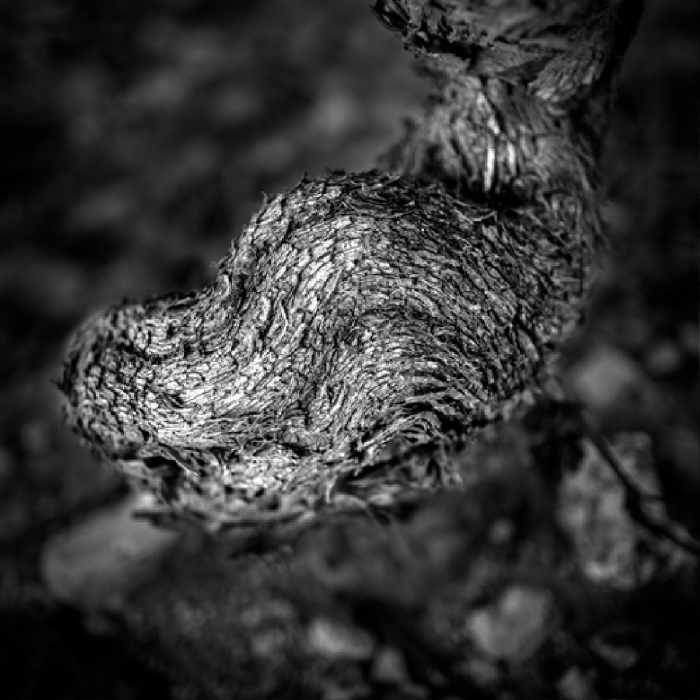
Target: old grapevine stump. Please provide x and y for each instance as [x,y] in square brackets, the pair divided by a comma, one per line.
[366,312]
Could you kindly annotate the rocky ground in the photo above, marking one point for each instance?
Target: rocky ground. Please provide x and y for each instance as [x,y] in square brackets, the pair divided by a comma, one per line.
[137,140]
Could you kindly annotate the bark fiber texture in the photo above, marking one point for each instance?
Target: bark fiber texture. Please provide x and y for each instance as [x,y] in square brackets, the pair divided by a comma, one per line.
[361,314]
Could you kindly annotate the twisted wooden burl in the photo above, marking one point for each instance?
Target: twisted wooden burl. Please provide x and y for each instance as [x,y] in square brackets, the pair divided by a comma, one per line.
[363,313]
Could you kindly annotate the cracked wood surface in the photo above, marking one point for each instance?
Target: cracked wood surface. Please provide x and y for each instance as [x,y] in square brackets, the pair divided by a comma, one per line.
[364,311]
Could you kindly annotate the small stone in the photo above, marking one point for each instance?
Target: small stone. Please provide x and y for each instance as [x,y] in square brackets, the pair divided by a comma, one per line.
[501,532]
[575,684]
[663,359]
[613,388]
[336,640]
[514,626]
[621,657]
[389,666]
[95,564]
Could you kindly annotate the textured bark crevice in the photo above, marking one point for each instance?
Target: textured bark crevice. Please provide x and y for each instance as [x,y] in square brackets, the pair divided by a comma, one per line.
[360,312]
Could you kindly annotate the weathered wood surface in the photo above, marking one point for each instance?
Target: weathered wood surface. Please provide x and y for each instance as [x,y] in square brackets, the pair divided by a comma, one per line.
[365,311]
[359,332]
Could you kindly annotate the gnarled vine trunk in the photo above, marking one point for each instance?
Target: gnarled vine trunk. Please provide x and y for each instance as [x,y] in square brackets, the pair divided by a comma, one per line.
[360,312]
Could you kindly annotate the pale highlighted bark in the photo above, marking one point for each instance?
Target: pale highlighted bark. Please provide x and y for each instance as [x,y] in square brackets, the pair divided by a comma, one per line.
[361,314]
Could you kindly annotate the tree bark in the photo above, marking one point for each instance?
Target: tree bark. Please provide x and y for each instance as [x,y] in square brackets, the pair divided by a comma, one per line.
[362,329]
[360,314]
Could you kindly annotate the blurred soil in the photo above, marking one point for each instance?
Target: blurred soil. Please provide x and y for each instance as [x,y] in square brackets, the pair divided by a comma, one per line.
[137,139]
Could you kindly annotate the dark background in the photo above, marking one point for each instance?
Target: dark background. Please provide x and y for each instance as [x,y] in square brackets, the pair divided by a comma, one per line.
[136,138]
